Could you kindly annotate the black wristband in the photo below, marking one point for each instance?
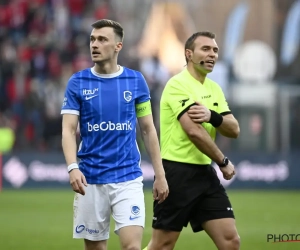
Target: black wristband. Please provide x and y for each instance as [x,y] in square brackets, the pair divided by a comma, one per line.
[215,119]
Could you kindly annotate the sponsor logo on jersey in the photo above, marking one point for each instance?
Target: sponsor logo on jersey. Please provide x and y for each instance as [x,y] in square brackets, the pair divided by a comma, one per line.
[87,92]
[104,126]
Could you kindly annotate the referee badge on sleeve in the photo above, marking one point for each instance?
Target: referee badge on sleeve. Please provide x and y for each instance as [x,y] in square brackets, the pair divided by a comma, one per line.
[184,101]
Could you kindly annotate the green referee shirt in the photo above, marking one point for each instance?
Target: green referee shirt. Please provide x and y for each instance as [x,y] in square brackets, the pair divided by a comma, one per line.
[181,92]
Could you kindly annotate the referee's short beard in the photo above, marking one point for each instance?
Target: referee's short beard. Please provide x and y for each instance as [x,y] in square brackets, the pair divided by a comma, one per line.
[203,70]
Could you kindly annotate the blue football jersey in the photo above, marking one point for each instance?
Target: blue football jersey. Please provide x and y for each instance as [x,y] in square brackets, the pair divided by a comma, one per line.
[105,104]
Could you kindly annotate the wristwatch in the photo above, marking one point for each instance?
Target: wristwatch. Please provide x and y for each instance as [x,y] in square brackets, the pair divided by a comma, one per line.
[224,163]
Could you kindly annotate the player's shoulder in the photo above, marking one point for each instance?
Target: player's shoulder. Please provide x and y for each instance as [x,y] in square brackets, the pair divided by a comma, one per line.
[132,73]
[81,73]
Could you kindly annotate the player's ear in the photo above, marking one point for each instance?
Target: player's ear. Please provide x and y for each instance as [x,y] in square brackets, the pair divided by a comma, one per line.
[119,46]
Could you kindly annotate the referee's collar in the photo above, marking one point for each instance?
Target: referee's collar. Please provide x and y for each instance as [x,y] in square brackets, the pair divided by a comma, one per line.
[119,72]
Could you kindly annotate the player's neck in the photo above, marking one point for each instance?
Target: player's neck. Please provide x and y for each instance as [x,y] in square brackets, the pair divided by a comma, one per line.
[106,68]
[199,76]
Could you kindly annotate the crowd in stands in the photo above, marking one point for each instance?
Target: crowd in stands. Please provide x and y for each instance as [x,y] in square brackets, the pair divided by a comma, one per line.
[43,42]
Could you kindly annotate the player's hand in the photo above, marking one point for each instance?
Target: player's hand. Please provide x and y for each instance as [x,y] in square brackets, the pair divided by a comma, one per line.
[160,189]
[77,181]
[199,113]
[228,171]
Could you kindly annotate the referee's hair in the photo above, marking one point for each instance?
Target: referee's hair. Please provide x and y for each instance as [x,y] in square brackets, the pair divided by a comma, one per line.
[189,44]
[118,29]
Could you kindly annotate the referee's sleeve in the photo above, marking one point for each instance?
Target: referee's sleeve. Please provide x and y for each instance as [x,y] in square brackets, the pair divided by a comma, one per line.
[178,99]
[223,107]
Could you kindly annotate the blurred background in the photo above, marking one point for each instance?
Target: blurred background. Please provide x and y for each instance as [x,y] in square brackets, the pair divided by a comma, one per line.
[43,42]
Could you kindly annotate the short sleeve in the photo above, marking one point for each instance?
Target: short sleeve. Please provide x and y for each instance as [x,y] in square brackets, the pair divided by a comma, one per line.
[178,98]
[143,94]
[223,107]
[71,104]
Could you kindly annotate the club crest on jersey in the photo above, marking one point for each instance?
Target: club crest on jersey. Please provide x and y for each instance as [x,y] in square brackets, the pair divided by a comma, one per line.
[127,96]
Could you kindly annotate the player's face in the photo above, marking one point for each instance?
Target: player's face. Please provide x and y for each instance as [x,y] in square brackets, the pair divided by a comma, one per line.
[206,50]
[104,44]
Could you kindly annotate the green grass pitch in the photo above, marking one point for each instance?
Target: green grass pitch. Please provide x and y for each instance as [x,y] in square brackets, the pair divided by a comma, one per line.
[42,220]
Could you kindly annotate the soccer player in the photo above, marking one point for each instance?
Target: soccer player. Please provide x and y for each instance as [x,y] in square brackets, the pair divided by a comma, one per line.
[107,100]
[193,108]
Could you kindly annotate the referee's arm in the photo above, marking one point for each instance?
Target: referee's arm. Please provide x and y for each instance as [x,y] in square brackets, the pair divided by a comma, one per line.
[224,122]
[198,135]
[229,127]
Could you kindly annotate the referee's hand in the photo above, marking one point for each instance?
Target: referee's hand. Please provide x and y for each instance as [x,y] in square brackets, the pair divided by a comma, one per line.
[199,113]
[228,171]
[77,181]
[160,189]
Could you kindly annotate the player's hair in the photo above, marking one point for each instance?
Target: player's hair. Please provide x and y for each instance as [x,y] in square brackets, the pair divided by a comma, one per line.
[189,44]
[118,29]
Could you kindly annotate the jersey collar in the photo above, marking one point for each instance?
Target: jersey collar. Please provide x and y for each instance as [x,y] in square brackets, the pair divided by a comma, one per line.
[119,72]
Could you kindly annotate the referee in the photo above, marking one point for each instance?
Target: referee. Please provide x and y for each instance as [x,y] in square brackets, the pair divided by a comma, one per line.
[192,109]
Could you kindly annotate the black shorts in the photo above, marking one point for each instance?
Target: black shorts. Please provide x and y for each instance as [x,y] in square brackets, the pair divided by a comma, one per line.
[196,195]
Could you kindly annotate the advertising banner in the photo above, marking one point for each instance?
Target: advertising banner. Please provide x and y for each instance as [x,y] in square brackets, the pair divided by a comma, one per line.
[253,171]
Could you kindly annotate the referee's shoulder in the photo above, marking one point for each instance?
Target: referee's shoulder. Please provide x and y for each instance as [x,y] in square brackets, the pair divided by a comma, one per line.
[174,80]
[213,83]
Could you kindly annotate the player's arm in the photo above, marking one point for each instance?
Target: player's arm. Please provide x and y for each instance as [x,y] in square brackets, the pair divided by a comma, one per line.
[69,128]
[202,140]
[150,139]
[144,115]
[149,136]
[70,112]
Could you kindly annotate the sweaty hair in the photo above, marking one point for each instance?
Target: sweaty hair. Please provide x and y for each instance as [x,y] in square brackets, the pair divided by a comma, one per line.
[118,29]
[189,44]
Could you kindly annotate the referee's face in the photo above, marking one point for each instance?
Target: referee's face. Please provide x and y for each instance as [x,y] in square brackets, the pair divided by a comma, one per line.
[206,51]
[104,45]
